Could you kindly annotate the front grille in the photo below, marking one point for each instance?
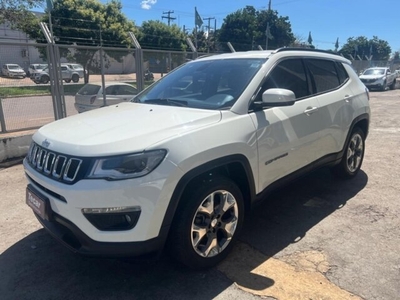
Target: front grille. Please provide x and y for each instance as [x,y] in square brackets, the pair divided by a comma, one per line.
[57,166]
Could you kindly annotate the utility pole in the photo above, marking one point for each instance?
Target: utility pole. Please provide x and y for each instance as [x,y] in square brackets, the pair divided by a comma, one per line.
[208,32]
[169,16]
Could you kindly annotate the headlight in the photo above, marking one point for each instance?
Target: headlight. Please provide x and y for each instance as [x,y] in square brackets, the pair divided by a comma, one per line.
[127,166]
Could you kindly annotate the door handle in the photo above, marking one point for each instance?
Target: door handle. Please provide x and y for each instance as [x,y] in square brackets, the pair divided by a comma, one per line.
[310,110]
[347,98]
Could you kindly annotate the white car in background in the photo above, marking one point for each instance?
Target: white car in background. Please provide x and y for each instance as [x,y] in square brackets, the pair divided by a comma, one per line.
[90,96]
[36,68]
[76,67]
[13,70]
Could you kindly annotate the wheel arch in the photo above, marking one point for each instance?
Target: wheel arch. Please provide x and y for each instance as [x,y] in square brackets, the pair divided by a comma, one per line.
[362,122]
[235,167]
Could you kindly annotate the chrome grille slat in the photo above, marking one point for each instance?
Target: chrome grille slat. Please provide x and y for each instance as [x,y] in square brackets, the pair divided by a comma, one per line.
[54,165]
[58,169]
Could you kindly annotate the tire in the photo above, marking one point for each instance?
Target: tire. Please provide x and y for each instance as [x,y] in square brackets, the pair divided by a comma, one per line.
[383,88]
[202,235]
[75,78]
[393,85]
[45,79]
[353,156]
[67,80]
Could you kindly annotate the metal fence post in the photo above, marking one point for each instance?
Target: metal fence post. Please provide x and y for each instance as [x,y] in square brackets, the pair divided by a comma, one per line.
[139,63]
[2,118]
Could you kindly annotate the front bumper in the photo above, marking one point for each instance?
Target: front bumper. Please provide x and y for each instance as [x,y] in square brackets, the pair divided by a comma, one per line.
[68,224]
[77,241]
[17,74]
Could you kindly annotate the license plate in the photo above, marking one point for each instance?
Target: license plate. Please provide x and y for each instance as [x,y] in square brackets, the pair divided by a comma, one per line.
[36,203]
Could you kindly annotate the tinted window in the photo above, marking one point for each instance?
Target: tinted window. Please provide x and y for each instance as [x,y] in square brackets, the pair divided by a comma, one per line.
[89,89]
[125,90]
[289,74]
[343,76]
[324,74]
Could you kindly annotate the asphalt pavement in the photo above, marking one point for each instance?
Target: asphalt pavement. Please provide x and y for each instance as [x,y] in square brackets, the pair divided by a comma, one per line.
[318,238]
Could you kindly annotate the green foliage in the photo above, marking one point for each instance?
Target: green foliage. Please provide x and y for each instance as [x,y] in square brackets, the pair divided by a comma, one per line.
[362,47]
[15,10]
[85,23]
[246,29]
[158,35]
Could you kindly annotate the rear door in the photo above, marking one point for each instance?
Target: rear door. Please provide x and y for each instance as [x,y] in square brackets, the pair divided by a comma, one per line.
[332,87]
[287,136]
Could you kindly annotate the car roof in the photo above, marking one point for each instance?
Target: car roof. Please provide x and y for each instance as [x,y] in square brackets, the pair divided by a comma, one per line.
[298,52]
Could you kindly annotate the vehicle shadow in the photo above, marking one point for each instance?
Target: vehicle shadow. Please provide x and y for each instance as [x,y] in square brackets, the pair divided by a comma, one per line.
[37,267]
[289,213]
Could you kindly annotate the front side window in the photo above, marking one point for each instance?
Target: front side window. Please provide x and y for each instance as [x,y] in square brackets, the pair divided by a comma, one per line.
[206,84]
[288,74]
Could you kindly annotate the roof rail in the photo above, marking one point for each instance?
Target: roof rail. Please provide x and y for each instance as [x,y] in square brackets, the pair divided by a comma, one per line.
[304,49]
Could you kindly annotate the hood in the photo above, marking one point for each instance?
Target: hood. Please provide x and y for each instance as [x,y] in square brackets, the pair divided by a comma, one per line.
[122,128]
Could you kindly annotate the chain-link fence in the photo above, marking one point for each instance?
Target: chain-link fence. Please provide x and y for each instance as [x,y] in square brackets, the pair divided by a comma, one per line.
[31,100]
[46,86]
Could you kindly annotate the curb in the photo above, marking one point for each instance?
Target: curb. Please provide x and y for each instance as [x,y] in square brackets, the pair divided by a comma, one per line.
[14,146]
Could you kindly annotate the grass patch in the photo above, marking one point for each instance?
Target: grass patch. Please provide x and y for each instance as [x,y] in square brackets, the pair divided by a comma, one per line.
[20,91]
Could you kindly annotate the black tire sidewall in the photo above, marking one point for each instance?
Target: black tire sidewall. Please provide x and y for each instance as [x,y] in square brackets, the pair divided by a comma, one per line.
[343,165]
[179,243]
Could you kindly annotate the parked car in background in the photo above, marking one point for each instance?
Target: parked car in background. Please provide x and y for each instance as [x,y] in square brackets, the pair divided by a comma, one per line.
[76,67]
[13,70]
[379,78]
[90,96]
[68,75]
[35,68]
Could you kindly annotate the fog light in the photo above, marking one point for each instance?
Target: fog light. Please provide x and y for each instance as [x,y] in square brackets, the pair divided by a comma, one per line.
[113,218]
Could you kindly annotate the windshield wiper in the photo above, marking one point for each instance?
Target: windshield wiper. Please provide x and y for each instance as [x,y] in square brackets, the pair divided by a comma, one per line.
[163,101]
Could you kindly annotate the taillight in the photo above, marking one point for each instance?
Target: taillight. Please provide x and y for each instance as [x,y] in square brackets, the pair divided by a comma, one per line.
[92,99]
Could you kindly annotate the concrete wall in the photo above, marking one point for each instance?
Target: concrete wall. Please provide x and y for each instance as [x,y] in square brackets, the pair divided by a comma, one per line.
[14,146]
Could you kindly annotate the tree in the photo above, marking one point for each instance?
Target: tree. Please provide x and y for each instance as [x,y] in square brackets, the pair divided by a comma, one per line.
[246,29]
[362,47]
[158,35]
[15,10]
[86,23]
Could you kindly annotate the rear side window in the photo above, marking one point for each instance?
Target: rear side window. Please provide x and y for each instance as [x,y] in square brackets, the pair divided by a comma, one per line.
[125,90]
[343,76]
[89,89]
[324,73]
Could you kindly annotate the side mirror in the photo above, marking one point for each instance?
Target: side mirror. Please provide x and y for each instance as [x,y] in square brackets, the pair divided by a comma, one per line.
[278,97]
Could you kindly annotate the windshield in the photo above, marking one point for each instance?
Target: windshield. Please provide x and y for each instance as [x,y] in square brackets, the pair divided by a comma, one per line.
[374,72]
[206,84]
[14,67]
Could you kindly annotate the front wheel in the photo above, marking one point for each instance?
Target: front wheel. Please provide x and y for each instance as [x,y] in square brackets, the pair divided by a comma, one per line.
[207,223]
[383,88]
[353,156]
[393,85]
[45,79]
[75,78]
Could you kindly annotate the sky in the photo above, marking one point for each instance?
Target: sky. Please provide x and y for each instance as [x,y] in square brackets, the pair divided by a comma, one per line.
[327,20]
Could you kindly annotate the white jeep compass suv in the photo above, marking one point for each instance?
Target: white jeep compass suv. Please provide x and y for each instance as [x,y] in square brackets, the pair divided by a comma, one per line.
[180,165]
